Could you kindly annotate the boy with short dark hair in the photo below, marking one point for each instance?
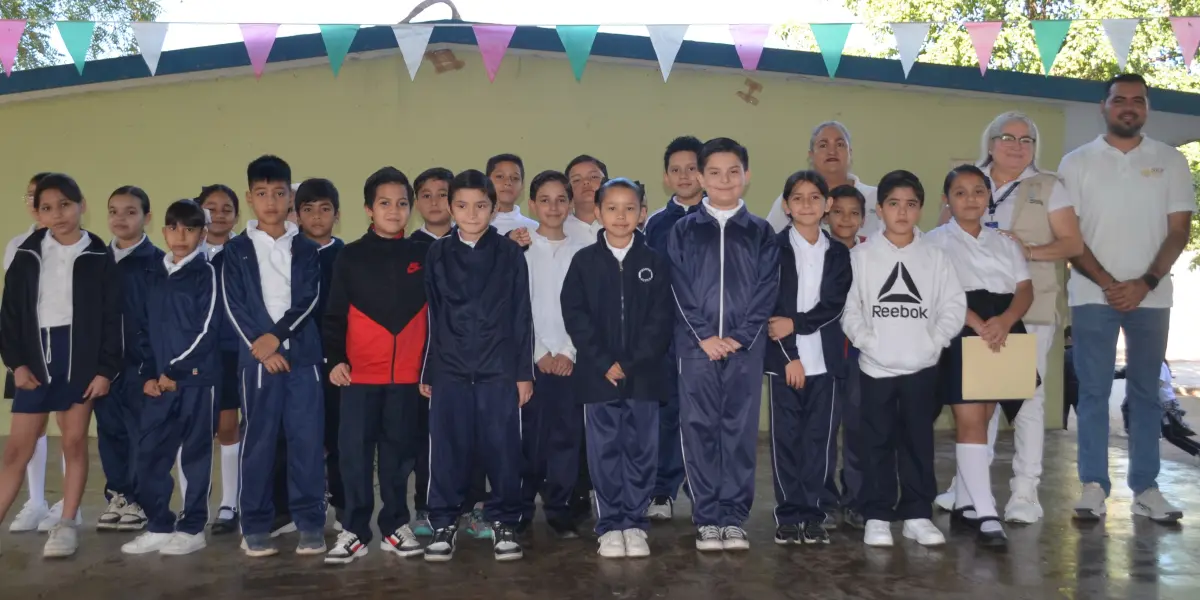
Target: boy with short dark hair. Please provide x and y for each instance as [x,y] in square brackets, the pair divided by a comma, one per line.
[432,188]
[481,373]
[585,173]
[846,210]
[725,279]
[507,173]
[271,283]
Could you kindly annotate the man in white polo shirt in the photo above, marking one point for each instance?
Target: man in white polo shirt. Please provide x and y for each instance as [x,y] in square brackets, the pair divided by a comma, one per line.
[1135,199]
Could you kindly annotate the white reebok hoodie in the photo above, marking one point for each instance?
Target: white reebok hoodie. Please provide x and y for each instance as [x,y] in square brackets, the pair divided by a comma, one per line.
[548,263]
[904,306]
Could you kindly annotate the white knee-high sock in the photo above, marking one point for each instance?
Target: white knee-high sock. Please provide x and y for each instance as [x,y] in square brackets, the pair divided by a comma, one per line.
[182,477]
[35,472]
[993,430]
[962,495]
[230,474]
[973,472]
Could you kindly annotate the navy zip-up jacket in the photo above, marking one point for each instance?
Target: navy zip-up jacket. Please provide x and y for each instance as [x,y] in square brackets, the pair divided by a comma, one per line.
[725,279]
[480,319]
[241,286]
[660,224]
[825,317]
[326,255]
[618,312]
[185,308]
[135,271]
[227,336]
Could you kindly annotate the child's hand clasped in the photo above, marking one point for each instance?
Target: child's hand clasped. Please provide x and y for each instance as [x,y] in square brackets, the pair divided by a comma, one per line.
[340,375]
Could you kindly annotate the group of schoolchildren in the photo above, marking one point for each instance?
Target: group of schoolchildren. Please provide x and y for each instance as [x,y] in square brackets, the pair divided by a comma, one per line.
[500,357]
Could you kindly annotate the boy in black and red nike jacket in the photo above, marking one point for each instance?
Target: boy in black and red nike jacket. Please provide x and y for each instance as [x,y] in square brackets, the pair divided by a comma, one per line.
[374,332]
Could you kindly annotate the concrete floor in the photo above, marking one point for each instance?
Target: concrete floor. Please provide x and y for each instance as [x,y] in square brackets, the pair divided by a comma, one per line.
[1120,558]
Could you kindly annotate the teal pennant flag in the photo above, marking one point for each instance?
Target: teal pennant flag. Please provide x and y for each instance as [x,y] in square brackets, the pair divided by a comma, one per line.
[831,39]
[577,41]
[77,37]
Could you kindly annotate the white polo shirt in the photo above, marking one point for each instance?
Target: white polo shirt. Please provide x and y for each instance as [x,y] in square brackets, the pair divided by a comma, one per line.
[505,222]
[810,267]
[56,295]
[871,221]
[1005,197]
[274,266]
[576,228]
[989,262]
[1123,200]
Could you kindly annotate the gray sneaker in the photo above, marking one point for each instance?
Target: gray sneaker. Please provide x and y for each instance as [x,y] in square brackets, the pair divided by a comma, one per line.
[311,543]
[64,540]
[1090,506]
[1152,505]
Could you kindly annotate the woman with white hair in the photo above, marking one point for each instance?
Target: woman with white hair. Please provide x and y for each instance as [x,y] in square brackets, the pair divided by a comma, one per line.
[830,155]
[1031,206]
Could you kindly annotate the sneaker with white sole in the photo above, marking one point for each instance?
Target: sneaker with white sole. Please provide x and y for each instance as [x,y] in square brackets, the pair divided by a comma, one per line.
[133,518]
[734,538]
[258,545]
[1152,505]
[924,532]
[311,543]
[63,542]
[283,528]
[612,545]
[441,549]
[636,545]
[182,544]
[1023,505]
[1090,506]
[146,543]
[30,516]
[661,508]
[708,538]
[878,533]
[347,548]
[111,517]
[945,500]
[55,515]
[505,546]
[402,542]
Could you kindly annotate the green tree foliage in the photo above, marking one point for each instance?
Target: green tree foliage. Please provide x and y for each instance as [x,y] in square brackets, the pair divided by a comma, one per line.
[113,34]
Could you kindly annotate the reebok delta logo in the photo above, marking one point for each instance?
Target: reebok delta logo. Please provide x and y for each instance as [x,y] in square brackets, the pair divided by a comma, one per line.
[899,288]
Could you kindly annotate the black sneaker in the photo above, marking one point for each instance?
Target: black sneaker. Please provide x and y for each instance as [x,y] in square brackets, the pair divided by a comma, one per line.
[223,526]
[854,519]
[441,549]
[581,507]
[814,533]
[787,535]
[563,531]
[504,543]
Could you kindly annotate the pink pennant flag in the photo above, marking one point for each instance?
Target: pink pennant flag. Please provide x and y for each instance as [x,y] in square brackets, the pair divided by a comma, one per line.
[493,42]
[983,37]
[749,40]
[259,38]
[1187,32]
[10,39]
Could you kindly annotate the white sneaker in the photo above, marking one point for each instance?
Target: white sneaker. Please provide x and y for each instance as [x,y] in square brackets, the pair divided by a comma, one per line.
[30,516]
[924,532]
[111,517]
[612,545]
[635,543]
[878,533]
[402,542]
[1152,505]
[708,538]
[55,515]
[945,500]
[734,538]
[63,542]
[1090,506]
[347,548]
[182,544]
[1023,506]
[146,543]
[660,509]
[133,518]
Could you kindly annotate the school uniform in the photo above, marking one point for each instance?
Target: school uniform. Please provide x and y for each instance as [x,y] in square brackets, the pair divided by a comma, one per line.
[616,306]
[228,394]
[423,235]
[813,282]
[552,419]
[480,345]
[376,322]
[421,476]
[724,276]
[581,230]
[904,307]
[61,318]
[327,256]
[872,224]
[272,286]
[183,302]
[505,222]
[10,252]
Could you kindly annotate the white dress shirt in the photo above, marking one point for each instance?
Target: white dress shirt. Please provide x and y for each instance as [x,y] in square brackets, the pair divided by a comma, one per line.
[810,267]
[212,250]
[872,224]
[618,252]
[505,222]
[576,228]
[55,299]
[119,253]
[989,262]
[722,214]
[548,262]
[274,266]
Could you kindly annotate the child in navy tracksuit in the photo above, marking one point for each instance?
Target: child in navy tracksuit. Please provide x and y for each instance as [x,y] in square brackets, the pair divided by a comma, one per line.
[682,175]
[725,279]
[271,280]
[805,363]
[478,368]
[179,379]
[616,304]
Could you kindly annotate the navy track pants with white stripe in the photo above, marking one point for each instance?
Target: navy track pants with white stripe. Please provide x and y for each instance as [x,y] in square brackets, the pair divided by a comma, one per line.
[622,450]
[180,420]
[551,443]
[804,426]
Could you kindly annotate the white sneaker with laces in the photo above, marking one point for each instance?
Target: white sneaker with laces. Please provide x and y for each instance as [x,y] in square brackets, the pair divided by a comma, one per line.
[55,515]
[347,548]
[1023,505]
[1090,506]
[636,545]
[1152,505]
[30,516]
[924,532]
[660,509]
[878,533]
[182,544]
[708,538]
[402,542]
[146,543]
[111,517]
[133,518]
[63,542]
[612,545]
[734,538]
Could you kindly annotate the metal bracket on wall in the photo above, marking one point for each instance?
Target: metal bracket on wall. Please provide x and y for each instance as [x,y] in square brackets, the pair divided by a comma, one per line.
[752,87]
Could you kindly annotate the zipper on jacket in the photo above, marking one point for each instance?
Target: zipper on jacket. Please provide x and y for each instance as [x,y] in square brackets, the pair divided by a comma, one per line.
[721,286]
[621,285]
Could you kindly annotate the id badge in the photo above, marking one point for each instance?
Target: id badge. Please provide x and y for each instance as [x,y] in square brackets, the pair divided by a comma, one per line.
[992,224]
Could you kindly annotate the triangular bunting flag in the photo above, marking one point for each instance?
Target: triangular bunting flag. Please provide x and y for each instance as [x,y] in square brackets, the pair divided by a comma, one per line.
[666,40]
[1120,35]
[577,42]
[749,40]
[150,38]
[910,37]
[77,37]
[412,40]
[337,43]
[259,37]
[831,39]
[1049,37]
[10,40]
[1187,33]
[983,37]
[493,42]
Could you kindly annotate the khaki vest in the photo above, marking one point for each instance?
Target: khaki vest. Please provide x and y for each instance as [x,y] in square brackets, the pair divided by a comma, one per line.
[1031,223]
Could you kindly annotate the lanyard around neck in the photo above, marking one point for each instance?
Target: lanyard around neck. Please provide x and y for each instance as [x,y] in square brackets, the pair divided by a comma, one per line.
[992,206]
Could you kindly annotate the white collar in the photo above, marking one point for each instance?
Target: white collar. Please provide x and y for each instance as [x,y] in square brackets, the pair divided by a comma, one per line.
[327,244]
[431,234]
[619,252]
[83,242]
[725,212]
[571,215]
[512,214]
[799,240]
[471,244]
[119,253]
[289,230]
[173,266]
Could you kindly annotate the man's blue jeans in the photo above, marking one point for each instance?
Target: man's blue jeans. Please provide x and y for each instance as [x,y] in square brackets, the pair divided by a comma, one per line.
[1094,329]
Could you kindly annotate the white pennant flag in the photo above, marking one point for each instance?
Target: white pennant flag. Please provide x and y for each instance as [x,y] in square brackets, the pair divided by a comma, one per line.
[150,38]
[910,37]
[666,39]
[1120,35]
[412,39]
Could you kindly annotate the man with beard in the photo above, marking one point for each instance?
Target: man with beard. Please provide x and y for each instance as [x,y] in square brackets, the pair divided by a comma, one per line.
[1135,198]
[830,155]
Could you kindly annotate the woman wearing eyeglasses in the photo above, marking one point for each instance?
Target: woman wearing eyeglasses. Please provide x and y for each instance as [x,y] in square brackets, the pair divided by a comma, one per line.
[1031,206]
